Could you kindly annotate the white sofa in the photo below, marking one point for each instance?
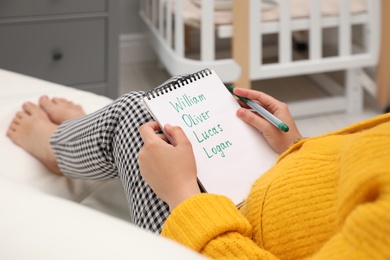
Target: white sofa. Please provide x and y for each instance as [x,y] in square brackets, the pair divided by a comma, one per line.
[45,216]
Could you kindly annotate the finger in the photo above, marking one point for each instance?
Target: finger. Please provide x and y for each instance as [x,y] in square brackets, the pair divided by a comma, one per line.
[163,137]
[177,134]
[242,104]
[268,102]
[148,131]
[154,125]
[254,120]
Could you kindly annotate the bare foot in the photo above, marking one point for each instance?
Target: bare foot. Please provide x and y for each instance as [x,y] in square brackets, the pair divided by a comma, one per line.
[31,129]
[59,109]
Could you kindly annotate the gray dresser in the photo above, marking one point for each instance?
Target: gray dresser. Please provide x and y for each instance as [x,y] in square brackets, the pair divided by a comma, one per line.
[71,42]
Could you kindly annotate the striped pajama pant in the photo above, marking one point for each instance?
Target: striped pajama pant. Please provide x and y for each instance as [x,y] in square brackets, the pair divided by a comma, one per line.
[105,145]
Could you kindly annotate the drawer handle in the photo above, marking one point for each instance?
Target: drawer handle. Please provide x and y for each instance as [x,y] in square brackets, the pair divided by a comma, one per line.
[57,55]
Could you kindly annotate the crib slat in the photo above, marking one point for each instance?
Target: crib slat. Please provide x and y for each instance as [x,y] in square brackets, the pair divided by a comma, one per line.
[345,42]
[179,28]
[207,39]
[304,24]
[372,27]
[315,38]
[142,5]
[147,8]
[285,32]
[168,25]
[161,17]
[154,13]
[255,36]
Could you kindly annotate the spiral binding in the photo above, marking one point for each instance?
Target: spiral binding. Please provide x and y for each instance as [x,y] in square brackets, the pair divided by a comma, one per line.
[175,83]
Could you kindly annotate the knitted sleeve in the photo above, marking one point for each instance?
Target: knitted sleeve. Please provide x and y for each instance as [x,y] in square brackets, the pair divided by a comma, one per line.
[211,224]
[363,201]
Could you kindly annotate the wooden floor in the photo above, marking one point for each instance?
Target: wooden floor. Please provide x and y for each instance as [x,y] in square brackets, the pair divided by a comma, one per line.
[145,76]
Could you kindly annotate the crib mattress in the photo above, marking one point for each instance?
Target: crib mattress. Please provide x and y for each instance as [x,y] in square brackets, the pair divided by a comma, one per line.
[299,9]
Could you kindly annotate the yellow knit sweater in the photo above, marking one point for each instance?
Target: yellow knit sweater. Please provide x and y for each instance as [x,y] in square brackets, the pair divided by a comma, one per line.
[327,197]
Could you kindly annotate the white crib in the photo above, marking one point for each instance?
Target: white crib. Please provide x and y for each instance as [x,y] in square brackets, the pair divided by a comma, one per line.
[168,22]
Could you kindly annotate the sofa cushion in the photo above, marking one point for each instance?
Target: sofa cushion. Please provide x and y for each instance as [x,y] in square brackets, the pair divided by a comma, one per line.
[17,164]
[35,225]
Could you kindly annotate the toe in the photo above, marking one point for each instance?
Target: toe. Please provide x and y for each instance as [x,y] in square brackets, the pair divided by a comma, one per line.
[63,101]
[19,115]
[27,108]
[33,111]
[45,103]
[10,132]
[30,108]
[17,120]
[56,100]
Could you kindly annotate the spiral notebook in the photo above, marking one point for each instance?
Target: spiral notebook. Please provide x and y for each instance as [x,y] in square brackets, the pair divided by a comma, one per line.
[230,155]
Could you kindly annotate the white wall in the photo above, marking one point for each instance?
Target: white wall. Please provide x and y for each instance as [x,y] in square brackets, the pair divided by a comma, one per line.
[133,45]
[130,22]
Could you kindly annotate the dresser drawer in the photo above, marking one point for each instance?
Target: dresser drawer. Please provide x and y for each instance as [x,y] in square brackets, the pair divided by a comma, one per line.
[15,8]
[66,52]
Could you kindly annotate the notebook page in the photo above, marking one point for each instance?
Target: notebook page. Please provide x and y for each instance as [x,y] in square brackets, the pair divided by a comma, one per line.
[230,155]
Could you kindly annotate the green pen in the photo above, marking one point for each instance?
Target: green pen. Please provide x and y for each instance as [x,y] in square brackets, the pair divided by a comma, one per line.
[262,111]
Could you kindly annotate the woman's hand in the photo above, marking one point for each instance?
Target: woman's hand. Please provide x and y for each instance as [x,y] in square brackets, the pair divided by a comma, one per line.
[277,139]
[169,169]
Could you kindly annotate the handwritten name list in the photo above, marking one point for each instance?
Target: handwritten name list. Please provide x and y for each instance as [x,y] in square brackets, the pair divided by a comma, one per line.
[203,132]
